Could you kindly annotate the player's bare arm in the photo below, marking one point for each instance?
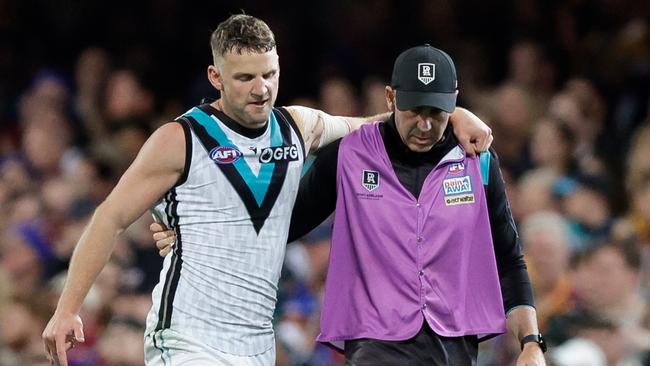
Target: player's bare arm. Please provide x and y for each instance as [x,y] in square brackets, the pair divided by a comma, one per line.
[155,170]
[319,128]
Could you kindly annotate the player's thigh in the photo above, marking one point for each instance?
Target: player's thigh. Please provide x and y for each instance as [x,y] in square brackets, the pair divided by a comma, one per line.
[175,358]
[166,348]
[266,358]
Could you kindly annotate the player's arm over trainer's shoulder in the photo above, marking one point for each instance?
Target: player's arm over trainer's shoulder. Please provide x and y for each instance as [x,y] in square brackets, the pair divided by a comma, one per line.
[319,128]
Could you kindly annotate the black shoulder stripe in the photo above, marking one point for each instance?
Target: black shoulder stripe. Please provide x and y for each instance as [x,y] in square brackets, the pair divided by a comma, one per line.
[188,149]
[286,116]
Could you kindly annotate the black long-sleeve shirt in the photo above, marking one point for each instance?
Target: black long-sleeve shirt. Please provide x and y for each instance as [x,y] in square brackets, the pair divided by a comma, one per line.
[317,200]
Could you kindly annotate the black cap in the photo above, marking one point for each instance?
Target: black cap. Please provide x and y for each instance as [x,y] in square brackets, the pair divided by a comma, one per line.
[425,76]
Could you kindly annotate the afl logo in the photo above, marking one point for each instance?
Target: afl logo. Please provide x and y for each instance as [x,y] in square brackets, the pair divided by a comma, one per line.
[225,154]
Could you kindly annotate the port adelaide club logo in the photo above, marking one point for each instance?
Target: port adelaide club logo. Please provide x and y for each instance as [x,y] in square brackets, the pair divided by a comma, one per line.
[426,73]
[370,180]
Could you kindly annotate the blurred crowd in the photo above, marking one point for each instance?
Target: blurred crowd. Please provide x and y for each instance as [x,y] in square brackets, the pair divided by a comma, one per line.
[567,98]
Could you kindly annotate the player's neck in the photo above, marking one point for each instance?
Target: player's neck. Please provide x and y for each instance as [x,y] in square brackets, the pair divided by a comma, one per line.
[234,124]
[223,108]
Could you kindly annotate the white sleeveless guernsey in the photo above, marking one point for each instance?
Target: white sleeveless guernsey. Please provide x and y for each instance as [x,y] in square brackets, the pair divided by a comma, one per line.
[231,211]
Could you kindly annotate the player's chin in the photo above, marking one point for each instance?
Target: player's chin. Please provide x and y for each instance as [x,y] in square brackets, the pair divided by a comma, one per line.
[259,114]
[259,118]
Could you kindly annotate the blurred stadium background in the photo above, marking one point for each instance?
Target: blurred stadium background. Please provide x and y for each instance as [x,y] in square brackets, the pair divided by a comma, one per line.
[565,85]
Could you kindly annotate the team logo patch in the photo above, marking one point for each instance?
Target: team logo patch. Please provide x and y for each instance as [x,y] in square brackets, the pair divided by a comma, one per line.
[426,73]
[225,154]
[456,168]
[459,199]
[459,185]
[370,180]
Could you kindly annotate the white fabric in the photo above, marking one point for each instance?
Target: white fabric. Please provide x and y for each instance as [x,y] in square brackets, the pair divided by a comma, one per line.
[227,285]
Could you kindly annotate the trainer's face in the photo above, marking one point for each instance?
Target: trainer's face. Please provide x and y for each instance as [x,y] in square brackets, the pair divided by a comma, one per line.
[248,83]
[419,128]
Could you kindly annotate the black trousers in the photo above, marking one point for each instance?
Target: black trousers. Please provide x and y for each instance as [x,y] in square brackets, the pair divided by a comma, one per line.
[425,349]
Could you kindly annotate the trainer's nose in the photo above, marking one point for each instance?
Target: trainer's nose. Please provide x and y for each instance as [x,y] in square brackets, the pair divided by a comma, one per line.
[425,123]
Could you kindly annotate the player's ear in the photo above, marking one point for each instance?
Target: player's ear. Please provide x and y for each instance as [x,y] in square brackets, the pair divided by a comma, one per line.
[214,76]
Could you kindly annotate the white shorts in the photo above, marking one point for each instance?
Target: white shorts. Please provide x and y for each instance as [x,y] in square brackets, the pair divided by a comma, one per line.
[169,348]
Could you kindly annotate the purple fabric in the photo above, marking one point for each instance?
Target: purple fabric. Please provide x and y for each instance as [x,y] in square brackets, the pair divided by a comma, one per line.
[382,281]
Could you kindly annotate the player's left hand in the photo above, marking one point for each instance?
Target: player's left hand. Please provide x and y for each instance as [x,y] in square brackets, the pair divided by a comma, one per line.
[532,355]
[472,133]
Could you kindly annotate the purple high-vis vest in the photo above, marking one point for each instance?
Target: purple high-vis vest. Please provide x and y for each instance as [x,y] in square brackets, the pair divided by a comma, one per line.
[396,260]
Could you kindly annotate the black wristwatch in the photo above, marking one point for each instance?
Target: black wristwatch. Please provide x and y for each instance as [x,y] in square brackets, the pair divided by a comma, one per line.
[537,338]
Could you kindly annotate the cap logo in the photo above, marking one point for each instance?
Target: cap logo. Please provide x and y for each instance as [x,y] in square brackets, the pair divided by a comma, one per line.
[426,72]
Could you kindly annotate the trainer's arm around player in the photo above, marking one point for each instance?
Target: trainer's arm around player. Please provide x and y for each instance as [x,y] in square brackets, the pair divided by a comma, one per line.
[156,169]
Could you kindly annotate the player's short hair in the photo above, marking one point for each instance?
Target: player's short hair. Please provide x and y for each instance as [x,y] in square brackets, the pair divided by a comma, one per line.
[239,33]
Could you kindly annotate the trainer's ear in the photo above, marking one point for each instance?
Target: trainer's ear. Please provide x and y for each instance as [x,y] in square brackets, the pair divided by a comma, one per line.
[390,98]
[214,76]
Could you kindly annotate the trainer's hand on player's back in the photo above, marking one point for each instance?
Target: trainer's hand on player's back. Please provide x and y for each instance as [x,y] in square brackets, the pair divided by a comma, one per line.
[165,239]
[62,333]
